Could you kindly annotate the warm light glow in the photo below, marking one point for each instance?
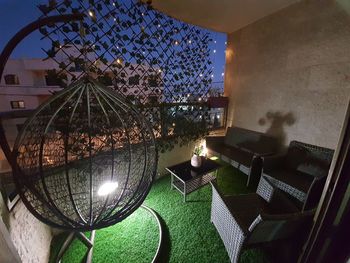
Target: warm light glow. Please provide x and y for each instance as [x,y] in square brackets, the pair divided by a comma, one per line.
[91,13]
[119,61]
[107,188]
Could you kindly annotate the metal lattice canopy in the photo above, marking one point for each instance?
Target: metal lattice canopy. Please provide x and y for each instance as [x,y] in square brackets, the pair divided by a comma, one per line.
[85,159]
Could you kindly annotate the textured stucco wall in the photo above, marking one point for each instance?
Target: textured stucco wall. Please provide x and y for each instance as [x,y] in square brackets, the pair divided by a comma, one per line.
[30,237]
[177,155]
[289,74]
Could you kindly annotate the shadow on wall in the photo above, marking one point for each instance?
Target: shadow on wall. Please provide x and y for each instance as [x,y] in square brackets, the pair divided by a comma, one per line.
[277,121]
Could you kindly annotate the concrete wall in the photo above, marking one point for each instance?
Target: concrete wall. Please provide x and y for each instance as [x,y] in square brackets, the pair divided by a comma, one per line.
[289,74]
[30,237]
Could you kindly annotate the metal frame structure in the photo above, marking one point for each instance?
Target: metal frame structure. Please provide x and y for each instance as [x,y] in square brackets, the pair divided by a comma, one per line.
[4,56]
[89,242]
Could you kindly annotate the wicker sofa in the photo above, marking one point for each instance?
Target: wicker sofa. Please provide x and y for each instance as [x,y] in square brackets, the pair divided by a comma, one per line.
[247,220]
[302,168]
[243,149]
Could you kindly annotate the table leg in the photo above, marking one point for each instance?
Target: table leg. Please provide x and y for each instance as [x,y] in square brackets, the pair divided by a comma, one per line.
[184,192]
[171,181]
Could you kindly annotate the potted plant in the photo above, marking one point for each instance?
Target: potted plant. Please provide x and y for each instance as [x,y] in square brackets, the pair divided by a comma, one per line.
[196,160]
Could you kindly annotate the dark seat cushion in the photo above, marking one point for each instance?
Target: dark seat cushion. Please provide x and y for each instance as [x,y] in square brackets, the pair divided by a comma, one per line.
[245,208]
[238,155]
[216,147]
[294,178]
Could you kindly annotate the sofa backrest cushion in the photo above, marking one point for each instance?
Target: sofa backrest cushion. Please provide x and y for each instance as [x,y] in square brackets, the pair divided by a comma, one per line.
[268,227]
[251,141]
[310,159]
[235,136]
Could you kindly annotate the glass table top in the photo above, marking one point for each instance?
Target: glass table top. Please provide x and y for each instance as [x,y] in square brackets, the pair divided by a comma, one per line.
[186,172]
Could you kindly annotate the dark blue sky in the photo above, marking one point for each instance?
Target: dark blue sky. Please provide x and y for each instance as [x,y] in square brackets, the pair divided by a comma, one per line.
[15,14]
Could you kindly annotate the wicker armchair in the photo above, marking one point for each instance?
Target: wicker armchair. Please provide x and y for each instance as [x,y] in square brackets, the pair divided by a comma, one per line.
[248,220]
[304,165]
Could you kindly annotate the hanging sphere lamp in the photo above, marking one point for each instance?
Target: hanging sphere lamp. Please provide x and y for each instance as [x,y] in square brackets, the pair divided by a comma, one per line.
[85,159]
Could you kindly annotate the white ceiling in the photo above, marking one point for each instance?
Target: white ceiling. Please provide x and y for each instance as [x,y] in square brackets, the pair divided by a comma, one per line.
[220,15]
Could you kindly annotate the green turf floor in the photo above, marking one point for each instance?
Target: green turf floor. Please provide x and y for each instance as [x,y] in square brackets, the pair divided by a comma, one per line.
[189,234]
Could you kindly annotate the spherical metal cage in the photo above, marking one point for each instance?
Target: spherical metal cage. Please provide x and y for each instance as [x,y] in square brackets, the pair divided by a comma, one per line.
[85,159]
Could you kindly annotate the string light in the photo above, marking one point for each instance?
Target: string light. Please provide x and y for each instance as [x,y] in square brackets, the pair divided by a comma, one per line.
[189,41]
[214,51]
[91,13]
[113,4]
[176,42]
[222,74]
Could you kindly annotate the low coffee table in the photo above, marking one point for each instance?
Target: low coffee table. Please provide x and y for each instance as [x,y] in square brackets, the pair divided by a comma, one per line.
[186,178]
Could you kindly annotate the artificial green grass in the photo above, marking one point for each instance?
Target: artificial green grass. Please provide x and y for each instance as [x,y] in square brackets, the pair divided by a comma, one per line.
[189,234]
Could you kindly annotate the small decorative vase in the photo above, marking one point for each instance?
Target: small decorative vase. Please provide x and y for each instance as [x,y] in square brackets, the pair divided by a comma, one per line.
[196,160]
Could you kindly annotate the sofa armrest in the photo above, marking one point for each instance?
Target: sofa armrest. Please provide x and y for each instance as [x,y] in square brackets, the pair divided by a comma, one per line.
[220,201]
[214,140]
[273,162]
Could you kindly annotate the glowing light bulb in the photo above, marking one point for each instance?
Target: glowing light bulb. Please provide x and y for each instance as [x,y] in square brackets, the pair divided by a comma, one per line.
[107,188]
[214,51]
[91,13]
[189,41]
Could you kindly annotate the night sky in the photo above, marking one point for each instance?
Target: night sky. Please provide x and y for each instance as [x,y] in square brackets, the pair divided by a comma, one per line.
[15,14]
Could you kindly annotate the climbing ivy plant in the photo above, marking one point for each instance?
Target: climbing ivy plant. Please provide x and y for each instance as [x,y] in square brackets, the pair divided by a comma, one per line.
[160,64]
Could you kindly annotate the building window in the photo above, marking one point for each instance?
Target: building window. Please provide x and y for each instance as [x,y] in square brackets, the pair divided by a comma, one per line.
[17,104]
[11,79]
